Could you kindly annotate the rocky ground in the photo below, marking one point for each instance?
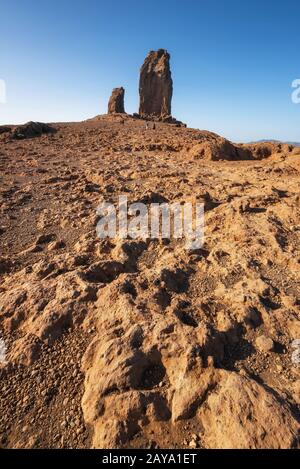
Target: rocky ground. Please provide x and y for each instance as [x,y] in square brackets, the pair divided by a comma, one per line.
[141,343]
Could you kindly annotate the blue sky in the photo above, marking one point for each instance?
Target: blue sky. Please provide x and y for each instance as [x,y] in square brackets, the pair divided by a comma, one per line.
[232,61]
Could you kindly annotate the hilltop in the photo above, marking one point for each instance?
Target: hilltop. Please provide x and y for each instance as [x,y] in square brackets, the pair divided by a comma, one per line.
[141,343]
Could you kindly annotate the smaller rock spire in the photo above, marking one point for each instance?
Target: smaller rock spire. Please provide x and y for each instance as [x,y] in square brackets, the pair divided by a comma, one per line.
[116,101]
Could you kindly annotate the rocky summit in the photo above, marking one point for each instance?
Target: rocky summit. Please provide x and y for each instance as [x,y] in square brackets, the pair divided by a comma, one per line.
[141,343]
[156,85]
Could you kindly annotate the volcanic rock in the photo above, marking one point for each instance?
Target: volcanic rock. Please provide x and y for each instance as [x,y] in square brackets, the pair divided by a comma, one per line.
[156,85]
[116,101]
[30,130]
[4,129]
[240,413]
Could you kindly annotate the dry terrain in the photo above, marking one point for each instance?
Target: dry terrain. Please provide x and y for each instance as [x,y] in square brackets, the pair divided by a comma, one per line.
[142,343]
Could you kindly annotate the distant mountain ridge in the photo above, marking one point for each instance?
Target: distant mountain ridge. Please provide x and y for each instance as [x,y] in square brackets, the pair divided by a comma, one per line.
[295,144]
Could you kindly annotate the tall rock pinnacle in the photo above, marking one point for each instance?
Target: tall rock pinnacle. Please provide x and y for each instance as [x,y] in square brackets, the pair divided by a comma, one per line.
[156,85]
[116,101]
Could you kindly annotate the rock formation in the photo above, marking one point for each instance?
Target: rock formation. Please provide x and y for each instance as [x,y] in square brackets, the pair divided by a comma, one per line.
[31,130]
[116,101]
[156,85]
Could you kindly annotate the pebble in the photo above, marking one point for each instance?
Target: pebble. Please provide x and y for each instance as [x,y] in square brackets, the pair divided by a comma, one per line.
[264,344]
[193,444]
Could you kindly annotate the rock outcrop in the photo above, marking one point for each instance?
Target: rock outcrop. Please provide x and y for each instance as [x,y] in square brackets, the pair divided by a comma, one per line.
[31,130]
[156,85]
[4,129]
[116,101]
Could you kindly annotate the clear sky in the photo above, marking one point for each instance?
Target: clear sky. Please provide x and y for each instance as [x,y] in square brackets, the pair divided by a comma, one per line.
[232,61]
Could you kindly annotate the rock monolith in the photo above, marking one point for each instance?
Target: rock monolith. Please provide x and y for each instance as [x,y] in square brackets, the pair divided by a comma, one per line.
[156,85]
